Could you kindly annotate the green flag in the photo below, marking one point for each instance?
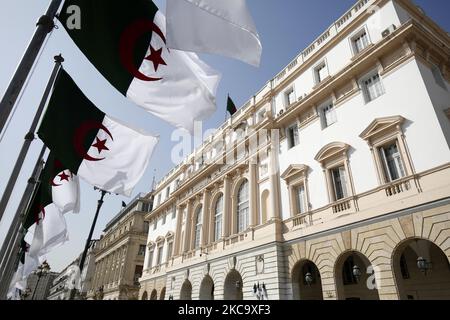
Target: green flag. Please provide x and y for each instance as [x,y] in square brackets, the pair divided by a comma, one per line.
[231,108]
[100,150]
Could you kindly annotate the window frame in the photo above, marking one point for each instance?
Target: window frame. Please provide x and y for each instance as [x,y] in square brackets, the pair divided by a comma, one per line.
[198,226]
[365,89]
[316,72]
[382,132]
[295,139]
[356,35]
[323,115]
[217,236]
[287,95]
[243,208]
[295,176]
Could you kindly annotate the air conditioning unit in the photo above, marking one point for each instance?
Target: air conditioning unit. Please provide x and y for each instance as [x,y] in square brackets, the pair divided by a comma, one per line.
[389,30]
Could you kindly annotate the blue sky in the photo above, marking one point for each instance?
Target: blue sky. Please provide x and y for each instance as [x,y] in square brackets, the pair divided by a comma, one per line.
[286,27]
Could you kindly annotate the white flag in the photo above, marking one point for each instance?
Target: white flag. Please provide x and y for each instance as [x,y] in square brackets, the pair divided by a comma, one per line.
[212,26]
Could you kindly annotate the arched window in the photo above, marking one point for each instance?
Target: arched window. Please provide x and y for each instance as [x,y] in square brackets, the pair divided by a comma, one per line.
[198,227]
[218,212]
[242,207]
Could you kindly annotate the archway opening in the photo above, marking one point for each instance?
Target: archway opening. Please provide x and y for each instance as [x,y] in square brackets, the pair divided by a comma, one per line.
[186,291]
[162,295]
[355,278]
[144,296]
[422,271]
[207,289]
[306,281]
[233,286]
[154,295]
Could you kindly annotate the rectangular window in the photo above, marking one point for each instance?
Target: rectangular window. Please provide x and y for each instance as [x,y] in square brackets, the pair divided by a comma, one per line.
[373,88]
[155,224]
[293,136]
[164,218]
[146,226]
[300,199]
[169,251]
[290,97]
[392,162]
[339,183]
[150,258]
[347,273]
[404,267]
[159,199]
[320,72]
[167,192]
[360,42]
[160,255]
[141,251]
[174,212]
[328,114]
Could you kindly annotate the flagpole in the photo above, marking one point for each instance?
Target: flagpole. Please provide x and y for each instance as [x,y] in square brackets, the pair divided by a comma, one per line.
[89,239]
[44,26]
[7,255]
[29,138]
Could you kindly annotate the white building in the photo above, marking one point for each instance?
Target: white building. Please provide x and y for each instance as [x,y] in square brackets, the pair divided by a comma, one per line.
[338,166]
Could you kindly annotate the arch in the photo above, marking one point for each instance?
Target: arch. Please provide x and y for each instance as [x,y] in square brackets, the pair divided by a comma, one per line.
[162,295]
[431,283]
[301,289]
[154,295]
[233,286]
[207,288]
[350,287]
[242,206]
[331,150]
[144,296]
[186,290]
[265,205]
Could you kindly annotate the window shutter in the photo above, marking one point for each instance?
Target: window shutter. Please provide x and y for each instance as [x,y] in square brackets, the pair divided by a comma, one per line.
[342,175]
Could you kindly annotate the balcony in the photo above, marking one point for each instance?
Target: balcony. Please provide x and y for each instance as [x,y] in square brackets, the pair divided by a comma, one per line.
[404,193]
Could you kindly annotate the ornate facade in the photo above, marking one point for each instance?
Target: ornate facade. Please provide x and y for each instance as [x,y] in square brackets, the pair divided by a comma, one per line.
[119,255]
[332,182]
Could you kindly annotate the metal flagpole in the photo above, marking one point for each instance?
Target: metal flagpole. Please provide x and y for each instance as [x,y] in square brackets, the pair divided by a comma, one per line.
[14,236]
[44,26]
[89,239]
[29,138]
[27,195]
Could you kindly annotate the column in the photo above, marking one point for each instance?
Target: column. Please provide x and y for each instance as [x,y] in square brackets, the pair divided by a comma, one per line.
[253,186]
[187,228]
[178,241]
[274,180]
[205,223]
[226,225]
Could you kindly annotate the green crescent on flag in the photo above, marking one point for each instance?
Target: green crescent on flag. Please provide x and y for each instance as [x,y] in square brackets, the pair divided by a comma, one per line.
[126,42]
[97,148]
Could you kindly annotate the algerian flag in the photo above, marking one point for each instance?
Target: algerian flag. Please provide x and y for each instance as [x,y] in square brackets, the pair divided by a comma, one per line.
[58,193]
[221,27]
[126,42]
[100,150]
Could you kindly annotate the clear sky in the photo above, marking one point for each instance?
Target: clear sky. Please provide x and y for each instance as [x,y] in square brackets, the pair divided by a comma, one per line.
[286,27]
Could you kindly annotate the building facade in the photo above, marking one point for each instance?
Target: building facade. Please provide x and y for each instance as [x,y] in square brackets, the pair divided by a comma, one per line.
[70,277]
[119,256]
[332,182]
[40,286]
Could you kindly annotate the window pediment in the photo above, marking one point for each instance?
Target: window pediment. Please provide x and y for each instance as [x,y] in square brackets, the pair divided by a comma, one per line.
[293,170]
[169,235]
[382,126]
[331,150]
[160,239]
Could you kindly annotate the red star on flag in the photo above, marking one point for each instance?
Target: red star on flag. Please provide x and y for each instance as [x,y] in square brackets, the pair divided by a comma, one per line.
[100,145]
[63,177]
[155,57]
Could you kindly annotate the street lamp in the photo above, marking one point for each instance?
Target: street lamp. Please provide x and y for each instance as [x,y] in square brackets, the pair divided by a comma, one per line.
[309,279]
[42,270]
[423,265]
[356,272]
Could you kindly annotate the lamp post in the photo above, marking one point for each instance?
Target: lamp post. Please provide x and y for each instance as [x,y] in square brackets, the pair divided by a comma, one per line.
[357,272]
[423,265]
[42,270]
[309,279]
